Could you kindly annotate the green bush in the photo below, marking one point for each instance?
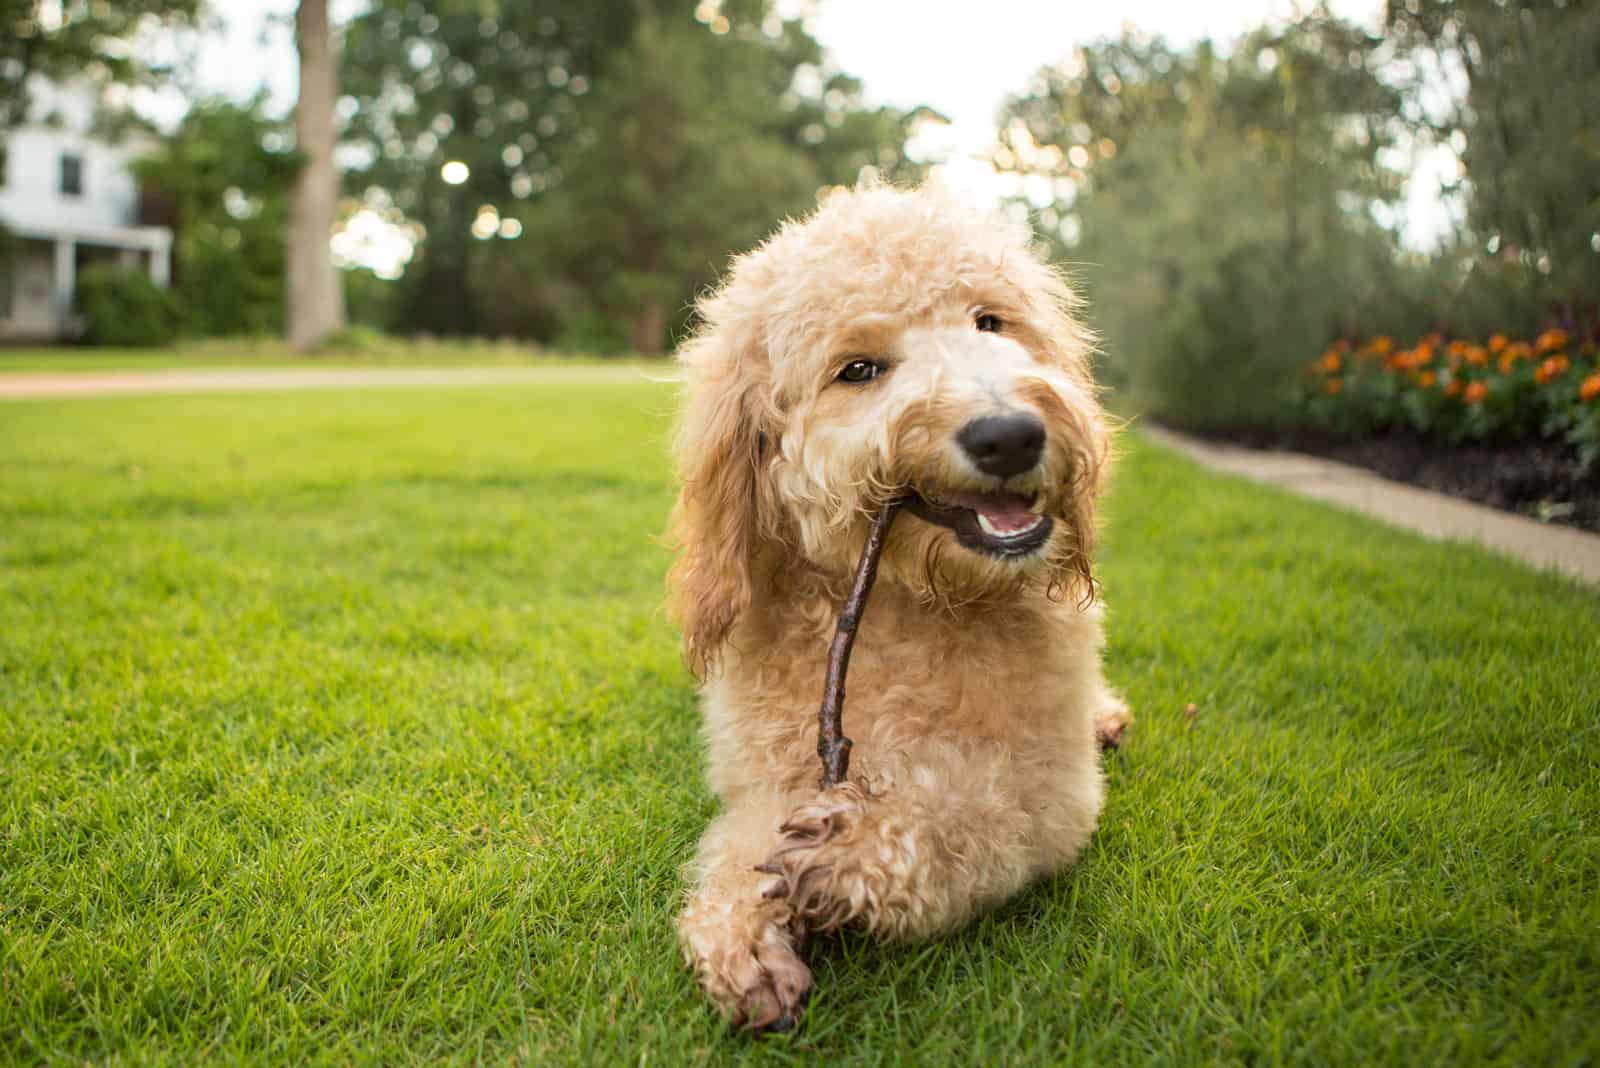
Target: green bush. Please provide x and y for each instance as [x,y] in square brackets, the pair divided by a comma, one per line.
[123,306]
[357,338]
[590,332]
[223,292]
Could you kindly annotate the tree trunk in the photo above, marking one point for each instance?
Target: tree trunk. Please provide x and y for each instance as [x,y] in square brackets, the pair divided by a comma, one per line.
[649,328]
[315,299]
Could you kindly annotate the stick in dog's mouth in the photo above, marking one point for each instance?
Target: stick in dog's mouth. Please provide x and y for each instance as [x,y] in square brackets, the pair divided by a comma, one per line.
[832,745]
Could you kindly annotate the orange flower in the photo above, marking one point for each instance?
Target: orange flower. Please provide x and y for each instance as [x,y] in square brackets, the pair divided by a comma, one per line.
[1454,388]
[1550,341]
[1477,355]
[1433,340]
[1427,379]
[1382,345]
[1590,388]
[1517,350]
[1458,348]
[1330,362]
[1334,386]
[1496,343]
[1551,369]
[1422,355]
[1475,393]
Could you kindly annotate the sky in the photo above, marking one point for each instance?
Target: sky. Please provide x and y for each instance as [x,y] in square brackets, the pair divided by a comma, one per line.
[959,57]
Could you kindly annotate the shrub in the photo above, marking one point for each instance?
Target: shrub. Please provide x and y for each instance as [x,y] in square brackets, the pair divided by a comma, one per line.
[224,291]
[357,338]
[123,306]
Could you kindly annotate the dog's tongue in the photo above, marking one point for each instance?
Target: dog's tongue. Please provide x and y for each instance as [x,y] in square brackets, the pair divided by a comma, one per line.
[1005,513]
[1007,517]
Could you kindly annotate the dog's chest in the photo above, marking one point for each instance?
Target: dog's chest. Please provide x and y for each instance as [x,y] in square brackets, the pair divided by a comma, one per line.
[914,672]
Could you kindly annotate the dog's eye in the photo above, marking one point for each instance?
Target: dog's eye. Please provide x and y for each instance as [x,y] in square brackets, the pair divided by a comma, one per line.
[988,323]
[860,371]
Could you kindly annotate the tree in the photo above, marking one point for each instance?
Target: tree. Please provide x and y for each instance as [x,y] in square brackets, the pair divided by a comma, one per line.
[493,86]
[1526,127]
[1226,204]
[226,188]
[650,208]
[315,301]
[528,98]
[78,38]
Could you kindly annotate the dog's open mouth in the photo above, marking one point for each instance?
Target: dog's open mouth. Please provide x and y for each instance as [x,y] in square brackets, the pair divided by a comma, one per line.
[1001,524]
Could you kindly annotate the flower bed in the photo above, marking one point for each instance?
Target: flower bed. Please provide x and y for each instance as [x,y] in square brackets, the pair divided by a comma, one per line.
[1461,389]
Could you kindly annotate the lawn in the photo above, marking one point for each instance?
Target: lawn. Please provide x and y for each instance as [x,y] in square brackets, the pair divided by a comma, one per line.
[346,728]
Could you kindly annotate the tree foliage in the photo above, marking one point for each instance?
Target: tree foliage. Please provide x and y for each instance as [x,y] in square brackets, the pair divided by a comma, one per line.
[1223,205]
[78,38]
[689,160]
[1527,127]
[225,174]
[633,149]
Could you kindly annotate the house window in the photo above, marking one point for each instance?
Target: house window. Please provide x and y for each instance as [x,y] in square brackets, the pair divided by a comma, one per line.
[71,176]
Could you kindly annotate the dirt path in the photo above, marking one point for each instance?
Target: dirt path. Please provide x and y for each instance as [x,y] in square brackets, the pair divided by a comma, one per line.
[19,386]
[1565,549]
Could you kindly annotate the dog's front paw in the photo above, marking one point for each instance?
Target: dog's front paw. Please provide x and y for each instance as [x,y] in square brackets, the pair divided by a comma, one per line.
[1111,724]
[749,967]
[818,867]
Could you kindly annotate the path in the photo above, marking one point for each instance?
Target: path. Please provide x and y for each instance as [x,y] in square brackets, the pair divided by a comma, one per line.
[18,386]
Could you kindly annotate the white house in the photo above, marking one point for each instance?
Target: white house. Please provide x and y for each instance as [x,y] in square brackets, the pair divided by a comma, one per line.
[68,200]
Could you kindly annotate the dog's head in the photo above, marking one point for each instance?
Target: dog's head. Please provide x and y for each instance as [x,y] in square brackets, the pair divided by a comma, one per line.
[894,344]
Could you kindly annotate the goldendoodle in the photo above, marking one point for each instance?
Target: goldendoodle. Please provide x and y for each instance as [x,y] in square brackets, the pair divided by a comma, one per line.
[894,343]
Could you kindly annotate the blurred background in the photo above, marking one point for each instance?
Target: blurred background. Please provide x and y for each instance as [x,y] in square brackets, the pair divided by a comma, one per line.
[1247,191]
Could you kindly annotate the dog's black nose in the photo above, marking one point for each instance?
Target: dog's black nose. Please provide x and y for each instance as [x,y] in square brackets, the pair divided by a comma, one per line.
[1003,445]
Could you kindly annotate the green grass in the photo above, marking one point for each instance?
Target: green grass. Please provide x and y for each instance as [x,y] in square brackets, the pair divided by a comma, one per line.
[364,350]
[345,728]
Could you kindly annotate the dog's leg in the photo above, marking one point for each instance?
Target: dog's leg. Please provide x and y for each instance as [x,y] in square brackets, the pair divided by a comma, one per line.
[917,846]
[743,945]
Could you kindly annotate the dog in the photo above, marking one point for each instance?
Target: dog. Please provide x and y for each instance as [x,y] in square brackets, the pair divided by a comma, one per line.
[895,343]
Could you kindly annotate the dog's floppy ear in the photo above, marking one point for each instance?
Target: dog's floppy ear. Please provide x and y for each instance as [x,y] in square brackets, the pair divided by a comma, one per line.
[725,508]
[1053,330]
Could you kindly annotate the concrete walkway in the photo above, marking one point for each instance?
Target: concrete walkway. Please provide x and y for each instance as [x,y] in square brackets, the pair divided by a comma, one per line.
[23,385]
[1567,550]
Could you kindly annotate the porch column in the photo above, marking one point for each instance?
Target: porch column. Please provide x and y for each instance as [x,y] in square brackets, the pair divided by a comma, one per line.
[161,264]
[65,281]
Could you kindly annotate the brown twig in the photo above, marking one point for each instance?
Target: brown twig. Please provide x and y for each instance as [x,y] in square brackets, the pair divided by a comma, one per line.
[832,746]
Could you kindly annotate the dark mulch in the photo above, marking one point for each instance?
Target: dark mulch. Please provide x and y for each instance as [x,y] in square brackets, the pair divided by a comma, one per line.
[1538,479]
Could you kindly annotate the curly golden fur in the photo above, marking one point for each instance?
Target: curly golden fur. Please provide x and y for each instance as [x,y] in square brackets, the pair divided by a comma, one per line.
[975,692]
